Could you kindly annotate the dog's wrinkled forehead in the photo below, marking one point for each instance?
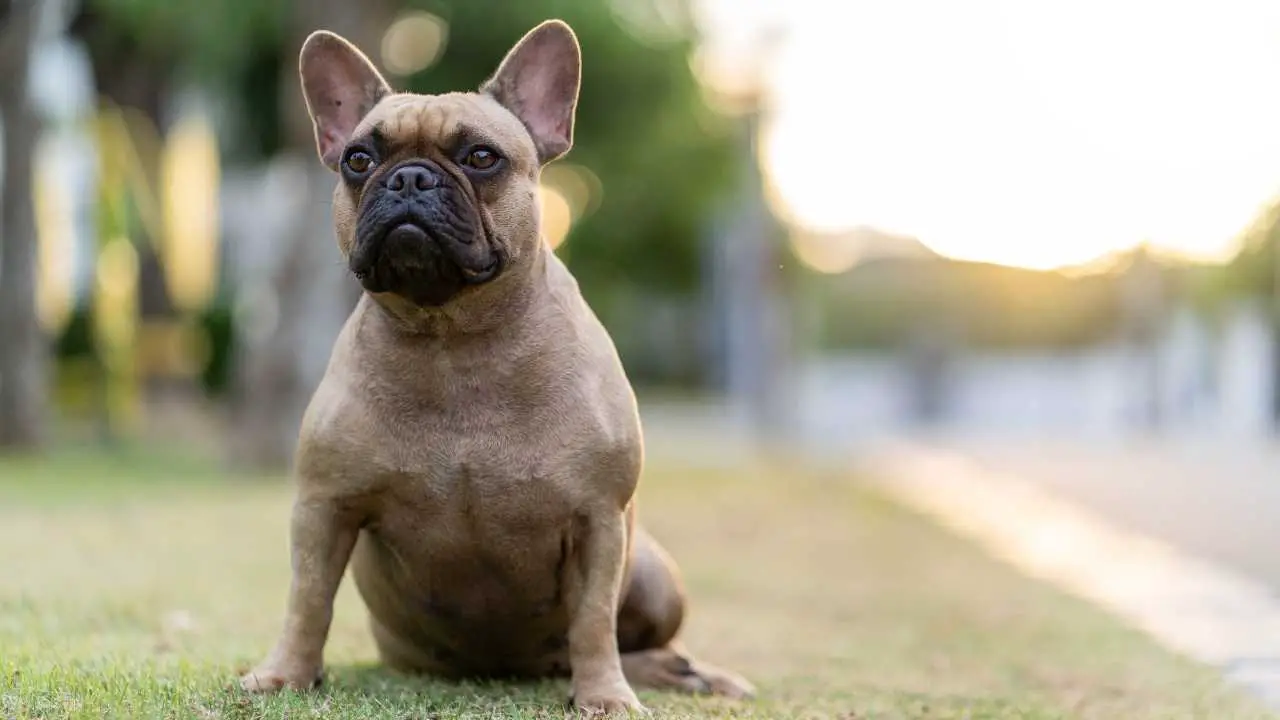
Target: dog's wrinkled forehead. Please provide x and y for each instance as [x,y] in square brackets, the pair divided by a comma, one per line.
[427,125]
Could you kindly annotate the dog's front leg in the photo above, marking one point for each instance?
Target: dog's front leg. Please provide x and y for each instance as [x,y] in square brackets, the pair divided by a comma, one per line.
[321,541]
[598,683]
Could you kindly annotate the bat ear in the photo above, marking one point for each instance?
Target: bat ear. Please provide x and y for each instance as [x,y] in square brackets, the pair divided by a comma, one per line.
[340,86]
[538,82]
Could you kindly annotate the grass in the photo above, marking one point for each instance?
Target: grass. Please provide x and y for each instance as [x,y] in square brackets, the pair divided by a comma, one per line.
[140,587]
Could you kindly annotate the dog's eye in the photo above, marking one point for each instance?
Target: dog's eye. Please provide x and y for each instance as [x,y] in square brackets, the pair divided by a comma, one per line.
[481,158]
[359,162]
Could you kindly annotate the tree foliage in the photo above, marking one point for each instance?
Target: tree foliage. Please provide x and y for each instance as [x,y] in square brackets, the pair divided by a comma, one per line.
[210,40]
[885,304]
[1256,269]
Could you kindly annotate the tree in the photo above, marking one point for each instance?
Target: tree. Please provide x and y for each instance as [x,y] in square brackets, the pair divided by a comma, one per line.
[23,351]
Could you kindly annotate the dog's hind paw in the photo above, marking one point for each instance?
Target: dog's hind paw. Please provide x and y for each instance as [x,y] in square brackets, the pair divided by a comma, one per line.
[669,669]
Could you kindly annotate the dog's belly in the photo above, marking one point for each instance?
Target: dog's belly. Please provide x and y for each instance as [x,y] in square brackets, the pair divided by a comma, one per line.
[456,597]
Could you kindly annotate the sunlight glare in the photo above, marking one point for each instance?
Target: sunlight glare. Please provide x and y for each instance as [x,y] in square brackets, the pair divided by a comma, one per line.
[827,254]
[1032,134]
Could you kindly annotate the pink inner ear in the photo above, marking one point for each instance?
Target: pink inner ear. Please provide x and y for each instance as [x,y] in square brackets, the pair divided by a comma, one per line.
[341,103]
[539,83]
[341,86]
[542,117]
[330,144]
[332,141]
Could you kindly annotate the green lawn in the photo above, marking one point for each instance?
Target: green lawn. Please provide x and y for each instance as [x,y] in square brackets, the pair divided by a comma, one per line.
[141,587]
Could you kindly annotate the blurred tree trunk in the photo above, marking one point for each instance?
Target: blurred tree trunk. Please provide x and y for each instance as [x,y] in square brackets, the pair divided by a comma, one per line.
[24,355]
[312,293]
[1275,328]
[1145,307]
[1275,377]
[758,352]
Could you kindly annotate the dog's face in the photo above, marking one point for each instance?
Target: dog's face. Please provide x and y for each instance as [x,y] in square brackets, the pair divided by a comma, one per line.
[438,194]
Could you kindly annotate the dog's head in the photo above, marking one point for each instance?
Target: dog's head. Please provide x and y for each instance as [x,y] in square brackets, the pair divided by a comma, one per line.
[438,194]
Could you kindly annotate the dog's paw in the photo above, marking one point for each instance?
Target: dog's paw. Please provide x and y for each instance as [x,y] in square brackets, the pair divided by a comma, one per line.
[273,677]
[724,682]
[611,700]
[669,669]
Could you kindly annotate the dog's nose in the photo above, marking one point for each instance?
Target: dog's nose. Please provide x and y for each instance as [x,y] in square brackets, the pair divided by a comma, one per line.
[411,178]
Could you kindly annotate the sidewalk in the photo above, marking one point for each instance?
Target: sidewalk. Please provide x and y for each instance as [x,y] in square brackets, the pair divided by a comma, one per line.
[1216,499]
[1178,538]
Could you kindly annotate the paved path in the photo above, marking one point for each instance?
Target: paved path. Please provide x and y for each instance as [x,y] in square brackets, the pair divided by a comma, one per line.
[1181,539]
[1215,499]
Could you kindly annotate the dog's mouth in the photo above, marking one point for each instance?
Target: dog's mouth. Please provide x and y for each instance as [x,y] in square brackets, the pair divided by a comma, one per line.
[484,274]
[410,252]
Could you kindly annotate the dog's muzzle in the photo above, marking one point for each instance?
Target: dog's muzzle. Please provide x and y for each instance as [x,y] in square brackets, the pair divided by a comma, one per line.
[419,235]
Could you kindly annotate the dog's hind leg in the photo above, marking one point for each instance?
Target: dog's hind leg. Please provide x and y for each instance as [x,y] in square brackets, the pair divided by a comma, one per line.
[648,622]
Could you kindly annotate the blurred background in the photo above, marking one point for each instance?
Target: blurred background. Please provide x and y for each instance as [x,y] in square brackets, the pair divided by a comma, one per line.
[813,222]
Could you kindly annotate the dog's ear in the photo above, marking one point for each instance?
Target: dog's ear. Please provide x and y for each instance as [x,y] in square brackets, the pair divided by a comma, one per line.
[340,86]
[538,82]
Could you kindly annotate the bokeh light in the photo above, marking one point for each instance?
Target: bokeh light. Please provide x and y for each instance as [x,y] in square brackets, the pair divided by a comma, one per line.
[189,180]
[117,285]
[557,216]
[414,42]
[56,249]
[652,21]
[569,192]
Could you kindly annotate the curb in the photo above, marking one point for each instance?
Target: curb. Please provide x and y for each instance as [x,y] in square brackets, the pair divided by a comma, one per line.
[1186,604]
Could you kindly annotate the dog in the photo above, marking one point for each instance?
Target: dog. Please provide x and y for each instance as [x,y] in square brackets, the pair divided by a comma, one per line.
[474,448]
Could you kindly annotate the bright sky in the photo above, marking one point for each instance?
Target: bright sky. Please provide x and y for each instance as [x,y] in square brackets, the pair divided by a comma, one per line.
[1036,133]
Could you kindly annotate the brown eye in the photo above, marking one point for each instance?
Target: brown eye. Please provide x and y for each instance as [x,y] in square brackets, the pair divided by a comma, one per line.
[481,158]
[359,162]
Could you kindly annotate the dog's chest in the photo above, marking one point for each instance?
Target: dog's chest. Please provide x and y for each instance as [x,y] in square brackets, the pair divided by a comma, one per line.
[474,491]
[468,539]
[474,526]
[488,488]
[488,470]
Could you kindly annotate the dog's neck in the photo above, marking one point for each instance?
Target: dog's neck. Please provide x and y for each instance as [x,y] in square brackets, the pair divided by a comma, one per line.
[404,351]
[498,304]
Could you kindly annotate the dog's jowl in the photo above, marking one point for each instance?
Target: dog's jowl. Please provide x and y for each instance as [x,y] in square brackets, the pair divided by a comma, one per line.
[474,447]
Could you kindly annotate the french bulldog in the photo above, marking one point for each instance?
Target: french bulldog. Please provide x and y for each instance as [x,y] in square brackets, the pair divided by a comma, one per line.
[474,448]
